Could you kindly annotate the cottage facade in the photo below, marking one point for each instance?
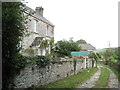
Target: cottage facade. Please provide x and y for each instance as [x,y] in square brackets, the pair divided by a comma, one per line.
[39,30]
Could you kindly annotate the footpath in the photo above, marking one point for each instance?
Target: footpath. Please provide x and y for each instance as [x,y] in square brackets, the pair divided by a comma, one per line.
[112,83]
[113,80]
[92,81]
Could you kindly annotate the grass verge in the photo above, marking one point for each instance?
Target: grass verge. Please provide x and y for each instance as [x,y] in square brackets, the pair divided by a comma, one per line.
[72,81]
[103,79]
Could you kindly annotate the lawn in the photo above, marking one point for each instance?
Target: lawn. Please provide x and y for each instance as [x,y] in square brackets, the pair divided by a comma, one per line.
[103,80]
[72,81]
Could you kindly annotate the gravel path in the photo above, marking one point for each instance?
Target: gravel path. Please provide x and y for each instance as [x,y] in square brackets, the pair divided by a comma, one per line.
[92,81]
[113,80]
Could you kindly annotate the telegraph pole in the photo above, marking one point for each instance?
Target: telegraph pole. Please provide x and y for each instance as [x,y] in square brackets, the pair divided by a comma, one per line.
[109,44]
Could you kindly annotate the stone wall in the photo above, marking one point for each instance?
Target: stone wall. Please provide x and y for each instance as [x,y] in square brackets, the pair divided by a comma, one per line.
[33,75]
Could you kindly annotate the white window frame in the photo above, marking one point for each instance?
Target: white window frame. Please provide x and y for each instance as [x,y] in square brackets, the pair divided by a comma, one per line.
[35,25]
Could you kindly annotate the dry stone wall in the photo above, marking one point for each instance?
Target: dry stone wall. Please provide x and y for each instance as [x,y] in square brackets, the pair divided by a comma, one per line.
[33,75]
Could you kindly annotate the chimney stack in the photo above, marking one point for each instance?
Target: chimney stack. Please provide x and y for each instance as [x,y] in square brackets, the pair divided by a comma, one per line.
[39,11]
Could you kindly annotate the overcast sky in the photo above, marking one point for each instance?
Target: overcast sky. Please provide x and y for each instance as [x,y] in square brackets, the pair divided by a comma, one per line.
[95,21]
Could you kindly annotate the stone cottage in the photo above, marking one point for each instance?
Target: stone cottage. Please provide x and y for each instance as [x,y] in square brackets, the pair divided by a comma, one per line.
[39,29]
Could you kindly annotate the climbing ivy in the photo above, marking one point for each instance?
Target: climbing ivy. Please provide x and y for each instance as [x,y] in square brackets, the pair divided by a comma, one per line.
[92,63]
[51,46]
[42,61]
[44,43]
[95,57]
[74,63]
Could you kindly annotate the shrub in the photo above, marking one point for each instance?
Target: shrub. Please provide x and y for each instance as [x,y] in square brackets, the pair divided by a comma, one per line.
[115,57]
[42,60]
[65,47]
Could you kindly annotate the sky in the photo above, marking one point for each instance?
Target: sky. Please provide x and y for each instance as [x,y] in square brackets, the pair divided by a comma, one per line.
[95,21]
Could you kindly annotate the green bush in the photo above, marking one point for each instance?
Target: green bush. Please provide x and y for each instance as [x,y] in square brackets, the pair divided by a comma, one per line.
[65,47]
[20,63]
[116,57]
[42,60]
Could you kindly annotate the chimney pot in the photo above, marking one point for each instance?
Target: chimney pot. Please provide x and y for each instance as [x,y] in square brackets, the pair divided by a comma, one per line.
[39,11]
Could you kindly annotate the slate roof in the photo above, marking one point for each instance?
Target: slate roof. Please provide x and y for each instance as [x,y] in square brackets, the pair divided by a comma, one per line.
[37,41]
[87,47]
[33,13]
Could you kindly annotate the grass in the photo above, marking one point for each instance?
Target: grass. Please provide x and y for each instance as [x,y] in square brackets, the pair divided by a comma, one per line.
[117,73]
[103,79]
[72,81]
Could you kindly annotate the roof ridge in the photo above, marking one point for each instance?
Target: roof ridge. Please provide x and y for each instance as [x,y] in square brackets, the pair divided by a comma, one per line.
[42,18]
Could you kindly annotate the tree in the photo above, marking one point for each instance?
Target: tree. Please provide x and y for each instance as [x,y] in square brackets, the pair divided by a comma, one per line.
[81,41]
[66,47]
[13,28]
[108,53]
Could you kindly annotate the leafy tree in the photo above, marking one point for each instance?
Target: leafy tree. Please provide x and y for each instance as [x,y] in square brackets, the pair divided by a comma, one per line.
[116,52]
[81,41]
[13,28]
[66,47]
[108,53]
[51,46]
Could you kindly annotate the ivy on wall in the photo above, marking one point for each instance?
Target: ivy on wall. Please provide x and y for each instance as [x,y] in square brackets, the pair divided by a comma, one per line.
[46,43]
[74,63]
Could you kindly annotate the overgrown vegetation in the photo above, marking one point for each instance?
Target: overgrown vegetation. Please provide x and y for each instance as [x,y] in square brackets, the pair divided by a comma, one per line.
[93,63]
[112,54]
[95,56]
[65,47]
[72,81]
[22,61]
[103,79]
[13,28]
[46,43]
[42,61]
[81,41]
[51,46]
[112,58]
[74,63]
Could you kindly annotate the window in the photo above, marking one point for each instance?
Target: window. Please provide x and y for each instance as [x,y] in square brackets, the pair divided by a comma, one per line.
[47,30]
[35,25]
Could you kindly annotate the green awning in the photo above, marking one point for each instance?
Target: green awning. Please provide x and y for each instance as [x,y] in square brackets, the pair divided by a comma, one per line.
[81,53]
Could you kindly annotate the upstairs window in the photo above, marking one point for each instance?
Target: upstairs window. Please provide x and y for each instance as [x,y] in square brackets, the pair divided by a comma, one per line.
[35,25]
[47,32]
